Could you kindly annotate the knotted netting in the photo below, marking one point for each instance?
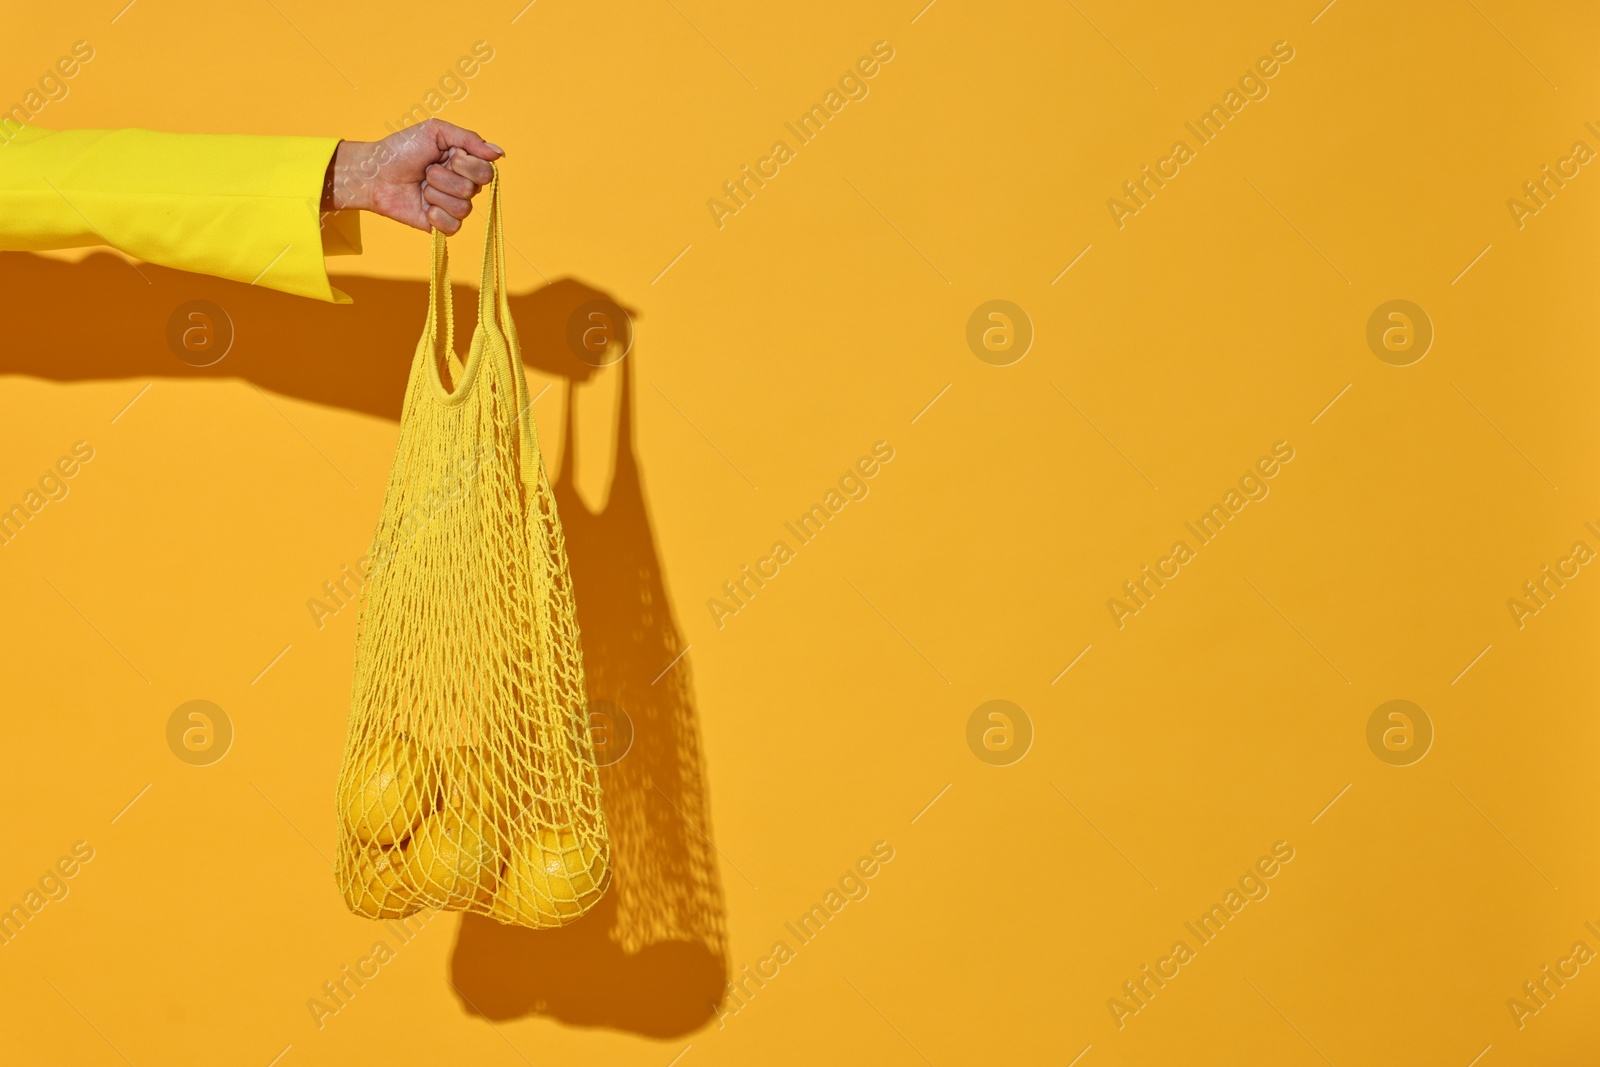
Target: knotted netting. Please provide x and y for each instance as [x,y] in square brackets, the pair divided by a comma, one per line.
[468,781]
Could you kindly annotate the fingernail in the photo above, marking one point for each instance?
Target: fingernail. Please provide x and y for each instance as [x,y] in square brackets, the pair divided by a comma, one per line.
[496,147]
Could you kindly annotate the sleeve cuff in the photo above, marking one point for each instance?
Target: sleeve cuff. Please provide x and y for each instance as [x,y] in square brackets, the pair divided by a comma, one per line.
[341,233]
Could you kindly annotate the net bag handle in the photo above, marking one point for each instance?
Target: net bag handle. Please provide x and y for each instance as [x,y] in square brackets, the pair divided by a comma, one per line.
[494,314]
[439,296]
[494,318]
[493,284]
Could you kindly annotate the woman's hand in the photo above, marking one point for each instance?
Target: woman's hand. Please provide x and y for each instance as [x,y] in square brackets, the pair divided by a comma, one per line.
[424,176]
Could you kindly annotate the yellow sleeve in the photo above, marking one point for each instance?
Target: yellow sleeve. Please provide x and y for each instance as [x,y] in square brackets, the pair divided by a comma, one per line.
[237,206]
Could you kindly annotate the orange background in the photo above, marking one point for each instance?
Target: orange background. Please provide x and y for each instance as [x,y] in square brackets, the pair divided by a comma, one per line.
[821,318]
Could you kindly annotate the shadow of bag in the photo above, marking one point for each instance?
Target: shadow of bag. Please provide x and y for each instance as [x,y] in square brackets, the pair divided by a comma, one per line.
[468,781]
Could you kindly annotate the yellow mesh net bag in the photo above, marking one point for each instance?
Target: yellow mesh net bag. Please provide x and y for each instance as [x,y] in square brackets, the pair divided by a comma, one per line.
[468,781]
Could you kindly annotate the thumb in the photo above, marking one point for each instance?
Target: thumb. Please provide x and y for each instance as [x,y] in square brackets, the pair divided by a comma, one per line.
[448,135]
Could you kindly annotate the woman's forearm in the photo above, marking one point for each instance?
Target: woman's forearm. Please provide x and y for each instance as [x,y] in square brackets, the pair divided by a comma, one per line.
[249,208]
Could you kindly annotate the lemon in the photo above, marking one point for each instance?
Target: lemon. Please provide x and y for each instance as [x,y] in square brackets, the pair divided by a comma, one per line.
[550,880]
[392,787]
[453,859]
[376,891]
